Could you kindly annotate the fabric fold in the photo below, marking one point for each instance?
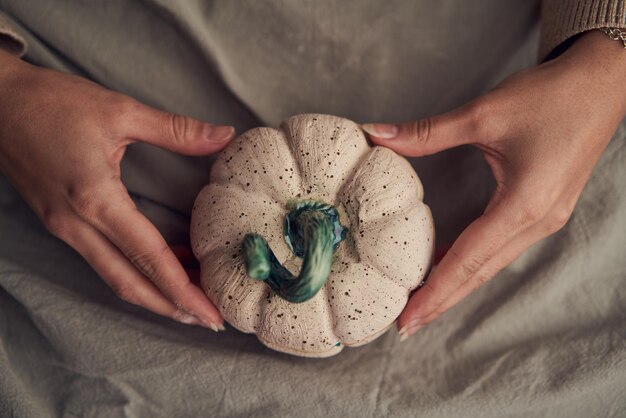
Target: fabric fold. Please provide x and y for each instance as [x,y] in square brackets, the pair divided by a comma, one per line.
[10,39]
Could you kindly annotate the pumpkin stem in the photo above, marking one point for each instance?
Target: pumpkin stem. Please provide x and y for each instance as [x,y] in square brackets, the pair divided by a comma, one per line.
[312,231]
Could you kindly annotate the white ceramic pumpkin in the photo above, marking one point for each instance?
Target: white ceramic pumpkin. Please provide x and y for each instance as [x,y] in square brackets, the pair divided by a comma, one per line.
[313,190]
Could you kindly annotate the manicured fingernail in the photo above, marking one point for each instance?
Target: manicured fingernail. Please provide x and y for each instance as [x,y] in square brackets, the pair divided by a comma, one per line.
[215,327]
[186,318]
[218,133]
[408,333]
[381,130]
[409,329]
[208,323]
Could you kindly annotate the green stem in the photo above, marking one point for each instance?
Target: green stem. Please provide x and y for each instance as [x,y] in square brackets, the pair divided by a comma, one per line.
[315,227]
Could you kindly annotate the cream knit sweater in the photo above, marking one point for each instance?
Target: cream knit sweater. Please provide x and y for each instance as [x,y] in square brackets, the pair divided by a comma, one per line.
[561,20]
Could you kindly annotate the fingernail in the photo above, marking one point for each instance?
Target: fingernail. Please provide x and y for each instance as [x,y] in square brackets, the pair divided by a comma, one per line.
[212,325]
[216,327]
[218,133]
[409,329]
[381,130]
[408,333]
[186,318]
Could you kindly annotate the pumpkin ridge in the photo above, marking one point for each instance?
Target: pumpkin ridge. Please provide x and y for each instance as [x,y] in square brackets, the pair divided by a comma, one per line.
[333,350]
[371,337]
[221,233]
[379,261]
[378,303]
[239,188]
[355,173]
[297,131]
[360,171]
[386,225]
[224,294]
[385,221]
[332,319]
[385,276]
[259,138]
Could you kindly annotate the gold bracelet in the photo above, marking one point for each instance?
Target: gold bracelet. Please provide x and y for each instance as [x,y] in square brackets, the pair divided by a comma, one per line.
[615,34]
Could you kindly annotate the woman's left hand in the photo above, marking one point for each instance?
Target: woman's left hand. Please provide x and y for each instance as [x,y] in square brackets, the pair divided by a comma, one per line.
[541,131]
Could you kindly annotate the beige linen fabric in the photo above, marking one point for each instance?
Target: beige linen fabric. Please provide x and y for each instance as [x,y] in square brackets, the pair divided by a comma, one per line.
[560,21]
[545,338]
[10,40]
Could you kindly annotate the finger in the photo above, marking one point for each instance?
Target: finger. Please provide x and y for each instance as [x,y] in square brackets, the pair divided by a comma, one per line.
[120,221]
[429,135]
[509,253]
[557,217]
[181,134]
[475,247]
[115,269]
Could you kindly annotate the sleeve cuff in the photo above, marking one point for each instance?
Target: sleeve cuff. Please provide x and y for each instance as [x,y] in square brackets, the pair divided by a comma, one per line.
[10,40]
[563,19]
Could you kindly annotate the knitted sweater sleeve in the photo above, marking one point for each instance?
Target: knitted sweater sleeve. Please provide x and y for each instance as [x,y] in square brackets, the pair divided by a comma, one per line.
[563,20]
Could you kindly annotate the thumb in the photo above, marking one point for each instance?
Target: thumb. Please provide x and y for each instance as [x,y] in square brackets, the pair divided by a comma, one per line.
[177,133]
[429,135]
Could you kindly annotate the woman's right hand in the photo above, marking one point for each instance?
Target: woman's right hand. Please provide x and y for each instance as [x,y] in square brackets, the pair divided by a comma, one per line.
[61,142]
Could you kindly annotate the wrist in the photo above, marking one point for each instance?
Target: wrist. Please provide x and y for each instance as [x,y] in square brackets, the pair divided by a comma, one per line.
[601,62]
[10,67]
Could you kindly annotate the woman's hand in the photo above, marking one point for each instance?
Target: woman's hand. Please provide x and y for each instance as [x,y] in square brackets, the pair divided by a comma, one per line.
[61,142]
[541,131]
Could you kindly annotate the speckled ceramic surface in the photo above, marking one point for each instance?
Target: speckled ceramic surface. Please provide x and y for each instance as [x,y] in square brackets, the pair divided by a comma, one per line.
[386,252]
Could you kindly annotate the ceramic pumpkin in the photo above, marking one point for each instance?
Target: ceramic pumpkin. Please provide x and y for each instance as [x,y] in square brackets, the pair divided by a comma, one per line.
[309,237]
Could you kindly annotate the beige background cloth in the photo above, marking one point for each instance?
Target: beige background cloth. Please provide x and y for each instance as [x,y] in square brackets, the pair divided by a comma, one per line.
[546,338]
